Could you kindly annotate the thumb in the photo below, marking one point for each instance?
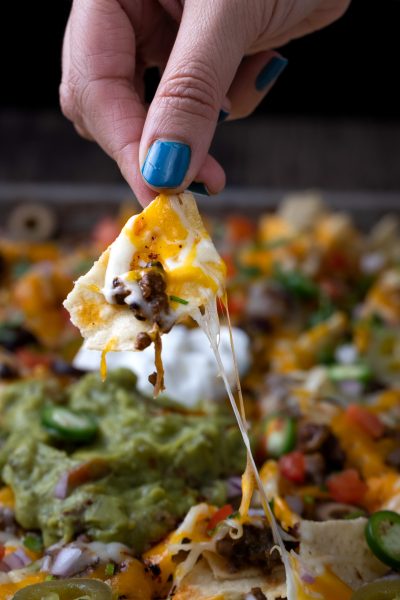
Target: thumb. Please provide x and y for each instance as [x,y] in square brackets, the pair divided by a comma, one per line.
[182,117]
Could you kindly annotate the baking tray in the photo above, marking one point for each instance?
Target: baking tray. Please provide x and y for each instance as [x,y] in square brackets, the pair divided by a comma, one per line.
[77,207]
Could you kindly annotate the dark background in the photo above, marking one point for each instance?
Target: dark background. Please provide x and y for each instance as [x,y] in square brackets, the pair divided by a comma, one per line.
[350,68]
[332,121]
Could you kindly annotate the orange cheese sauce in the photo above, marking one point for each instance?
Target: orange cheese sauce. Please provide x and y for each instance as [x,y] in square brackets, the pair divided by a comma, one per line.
[158,234]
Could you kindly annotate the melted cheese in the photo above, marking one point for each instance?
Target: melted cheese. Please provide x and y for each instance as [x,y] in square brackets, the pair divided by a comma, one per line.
[162,233]
[103,361]
[7,498]
[7,590]
[326,586]
[207,323]
[361,450]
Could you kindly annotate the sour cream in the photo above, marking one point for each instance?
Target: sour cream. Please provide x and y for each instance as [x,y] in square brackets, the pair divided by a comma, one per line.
[190,369]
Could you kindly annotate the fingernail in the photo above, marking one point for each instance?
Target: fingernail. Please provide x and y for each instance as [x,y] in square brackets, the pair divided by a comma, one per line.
[166,164]
[223,114]
[270,72]
[198,188]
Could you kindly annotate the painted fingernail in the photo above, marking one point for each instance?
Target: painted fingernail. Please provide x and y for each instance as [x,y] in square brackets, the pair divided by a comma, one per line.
[198,188]
[223,114]
[270,72]
[166,164]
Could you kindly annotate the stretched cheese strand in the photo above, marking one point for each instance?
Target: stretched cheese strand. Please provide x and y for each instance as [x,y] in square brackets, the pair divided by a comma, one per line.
[251,474]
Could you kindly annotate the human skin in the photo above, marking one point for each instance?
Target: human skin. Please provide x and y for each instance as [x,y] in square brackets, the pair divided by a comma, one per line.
[210,54]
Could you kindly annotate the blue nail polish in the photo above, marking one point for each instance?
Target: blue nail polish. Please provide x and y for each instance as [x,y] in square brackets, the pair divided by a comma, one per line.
[166,164]
[198,188]
[223,114]
[270,72]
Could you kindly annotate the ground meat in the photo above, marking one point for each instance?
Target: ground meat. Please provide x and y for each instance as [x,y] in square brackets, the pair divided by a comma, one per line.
[153,378]
[393,458]
[315,467]
[143,340]
[314,437]
[153,286]
[311,436]
[121,292]
[252,549]
[8,371]
[258,594]
[333,454]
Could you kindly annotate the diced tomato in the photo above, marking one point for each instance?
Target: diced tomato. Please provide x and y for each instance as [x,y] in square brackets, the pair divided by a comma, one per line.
[347,487]
[105,232]
[30,359]
[236,304]
[337,261]
[220,515]
[240,228]
[292,466]
[333,288]
[367,421]
[230,265]
[2,552]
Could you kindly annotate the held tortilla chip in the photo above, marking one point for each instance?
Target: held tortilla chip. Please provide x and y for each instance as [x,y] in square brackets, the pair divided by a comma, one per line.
[201,584]
[168,235]
[341,545]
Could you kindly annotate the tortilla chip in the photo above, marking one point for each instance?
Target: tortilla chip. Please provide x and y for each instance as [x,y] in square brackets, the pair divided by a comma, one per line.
[340,544]
[103,325]
[201,584]
[108,326]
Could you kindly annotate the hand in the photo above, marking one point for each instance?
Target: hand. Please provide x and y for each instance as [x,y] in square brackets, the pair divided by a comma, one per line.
[214,54]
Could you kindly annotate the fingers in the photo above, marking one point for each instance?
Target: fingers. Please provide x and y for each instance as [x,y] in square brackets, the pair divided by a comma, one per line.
[183,115]
[97,92]
[255,77]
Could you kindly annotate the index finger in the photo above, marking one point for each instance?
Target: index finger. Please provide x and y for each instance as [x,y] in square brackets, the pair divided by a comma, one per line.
[97,91]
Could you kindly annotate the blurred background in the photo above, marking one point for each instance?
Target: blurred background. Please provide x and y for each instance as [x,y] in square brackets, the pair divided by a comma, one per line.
[332,121]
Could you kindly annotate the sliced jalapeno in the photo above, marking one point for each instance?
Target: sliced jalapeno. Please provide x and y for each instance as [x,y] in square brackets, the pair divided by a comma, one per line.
[67,425]
[350,372]
[388,589]
[279,435]
[66,589]
[383,536]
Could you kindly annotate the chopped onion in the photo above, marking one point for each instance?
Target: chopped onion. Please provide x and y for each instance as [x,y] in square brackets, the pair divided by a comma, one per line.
[71,560]
[234,486]
[295,503]
[307,577]
[15,560]
[346,354]
[61,489]
[351,388]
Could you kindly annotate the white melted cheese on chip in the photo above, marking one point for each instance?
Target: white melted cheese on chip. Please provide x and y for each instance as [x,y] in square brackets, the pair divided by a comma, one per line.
[171,232]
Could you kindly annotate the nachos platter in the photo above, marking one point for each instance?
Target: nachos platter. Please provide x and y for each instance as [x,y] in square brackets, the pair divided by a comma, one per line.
[287,486]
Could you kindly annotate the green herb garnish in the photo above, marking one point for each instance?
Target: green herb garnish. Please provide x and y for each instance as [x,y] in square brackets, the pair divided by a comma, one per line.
[296,283]
[177,299]
[33,542]
[109,569]
[307,499]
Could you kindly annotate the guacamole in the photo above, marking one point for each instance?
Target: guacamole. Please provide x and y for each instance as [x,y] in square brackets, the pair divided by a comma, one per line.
[147,465]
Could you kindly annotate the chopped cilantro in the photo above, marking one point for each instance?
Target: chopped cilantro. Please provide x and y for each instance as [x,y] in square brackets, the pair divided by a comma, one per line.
[33,542]
[109,569]
[296,283]
[177,299]
[307,499]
